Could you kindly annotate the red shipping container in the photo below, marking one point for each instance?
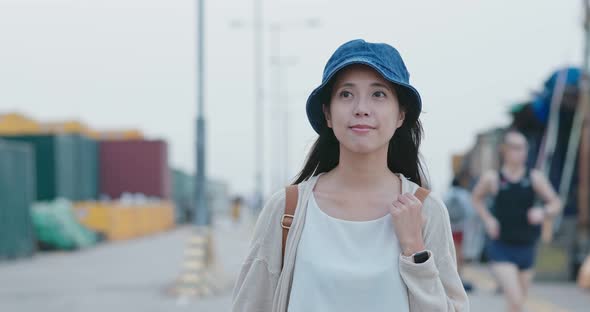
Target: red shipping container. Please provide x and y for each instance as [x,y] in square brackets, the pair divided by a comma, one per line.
[135,166]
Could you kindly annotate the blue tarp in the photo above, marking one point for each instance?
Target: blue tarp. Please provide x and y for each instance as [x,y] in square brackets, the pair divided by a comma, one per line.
[542,103]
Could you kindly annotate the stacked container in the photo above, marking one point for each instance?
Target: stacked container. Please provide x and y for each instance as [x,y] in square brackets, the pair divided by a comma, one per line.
[66,166]
[137,166]
[13,124]
[17,192]
[183,186]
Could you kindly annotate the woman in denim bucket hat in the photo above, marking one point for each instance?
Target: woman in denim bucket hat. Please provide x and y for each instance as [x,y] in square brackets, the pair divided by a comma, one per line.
[356,231]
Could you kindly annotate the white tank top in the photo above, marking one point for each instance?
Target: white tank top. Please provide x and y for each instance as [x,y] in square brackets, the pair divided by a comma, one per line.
[345,265]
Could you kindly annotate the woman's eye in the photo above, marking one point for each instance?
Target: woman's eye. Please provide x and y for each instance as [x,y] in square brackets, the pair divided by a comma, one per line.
[345,94]
[379,94]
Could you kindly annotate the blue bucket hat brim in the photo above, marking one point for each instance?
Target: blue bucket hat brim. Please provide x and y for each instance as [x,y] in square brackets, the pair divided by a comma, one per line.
[314,106]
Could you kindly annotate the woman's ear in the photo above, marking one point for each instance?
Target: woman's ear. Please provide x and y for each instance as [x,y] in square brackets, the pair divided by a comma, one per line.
[327,115]
[401,118]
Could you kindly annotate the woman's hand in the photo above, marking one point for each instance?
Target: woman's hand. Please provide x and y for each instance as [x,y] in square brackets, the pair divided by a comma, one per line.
[407,221]
[492,227]
[536,215]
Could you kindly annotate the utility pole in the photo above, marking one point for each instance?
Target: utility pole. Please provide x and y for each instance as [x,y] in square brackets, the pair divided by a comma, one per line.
[280,119]
[259,110]
[202,216]
[584,156]
[199,277]
[277,155]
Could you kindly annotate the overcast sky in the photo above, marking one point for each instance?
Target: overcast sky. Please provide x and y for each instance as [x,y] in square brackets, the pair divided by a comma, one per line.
[131,64]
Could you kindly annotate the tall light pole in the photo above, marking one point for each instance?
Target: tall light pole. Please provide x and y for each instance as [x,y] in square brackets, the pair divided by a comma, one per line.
[202,214]
[275,30]
[259,111]
[197,278]
[275,47]
[280,126]
[583,239]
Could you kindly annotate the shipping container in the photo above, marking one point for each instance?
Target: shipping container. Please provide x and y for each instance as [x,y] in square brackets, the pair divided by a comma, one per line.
[120,220]
[183,185]
[118,135]
[87,178]
[17,192]
[17,124]
[66,166]
[134,167]
[66,127]
[218,199]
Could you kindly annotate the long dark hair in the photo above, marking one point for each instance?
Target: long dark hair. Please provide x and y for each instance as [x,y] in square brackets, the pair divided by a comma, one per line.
[402,154]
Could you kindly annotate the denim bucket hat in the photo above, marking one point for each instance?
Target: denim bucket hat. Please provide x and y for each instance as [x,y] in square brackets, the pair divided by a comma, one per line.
[382,57]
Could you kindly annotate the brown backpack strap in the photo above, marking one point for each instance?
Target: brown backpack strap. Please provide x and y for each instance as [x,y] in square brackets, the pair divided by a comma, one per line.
[421,193]
[292,193]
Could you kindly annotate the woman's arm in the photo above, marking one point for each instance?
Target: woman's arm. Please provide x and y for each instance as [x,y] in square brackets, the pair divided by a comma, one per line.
[435,285]
[258,279]
[485,186]
[544,189]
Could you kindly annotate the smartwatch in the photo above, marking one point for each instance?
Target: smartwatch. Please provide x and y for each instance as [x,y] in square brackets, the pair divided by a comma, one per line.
[421,257]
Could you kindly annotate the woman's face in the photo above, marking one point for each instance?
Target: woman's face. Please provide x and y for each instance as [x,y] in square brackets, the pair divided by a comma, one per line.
[515,149]
[364,111]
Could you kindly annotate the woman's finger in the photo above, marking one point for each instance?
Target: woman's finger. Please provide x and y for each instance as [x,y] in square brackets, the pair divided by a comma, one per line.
[398,205]
[405,199]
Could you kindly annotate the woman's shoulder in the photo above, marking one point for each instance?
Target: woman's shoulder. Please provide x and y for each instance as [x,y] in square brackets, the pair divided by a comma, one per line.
[274,208]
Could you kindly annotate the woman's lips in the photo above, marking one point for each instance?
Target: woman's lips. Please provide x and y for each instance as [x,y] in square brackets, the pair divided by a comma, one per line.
[361,128]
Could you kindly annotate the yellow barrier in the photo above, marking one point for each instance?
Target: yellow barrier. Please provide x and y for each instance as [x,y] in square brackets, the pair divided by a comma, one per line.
[118,221]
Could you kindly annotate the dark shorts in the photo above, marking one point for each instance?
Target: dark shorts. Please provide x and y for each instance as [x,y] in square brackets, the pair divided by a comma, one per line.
[523,256]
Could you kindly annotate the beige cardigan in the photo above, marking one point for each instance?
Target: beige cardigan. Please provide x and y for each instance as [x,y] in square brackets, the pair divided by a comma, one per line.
[263,287]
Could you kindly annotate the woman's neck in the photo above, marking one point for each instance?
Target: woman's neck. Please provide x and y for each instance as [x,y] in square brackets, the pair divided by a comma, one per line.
[513,171]
[363,171]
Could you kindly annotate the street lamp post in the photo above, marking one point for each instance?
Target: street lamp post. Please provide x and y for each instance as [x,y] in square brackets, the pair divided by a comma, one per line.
[279,172]
[281,107]
[259,111]
[202,214]
[196,279]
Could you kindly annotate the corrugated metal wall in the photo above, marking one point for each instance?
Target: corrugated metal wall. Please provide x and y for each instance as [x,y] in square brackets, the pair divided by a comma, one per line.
[134,167]
[66,166]
[17,192]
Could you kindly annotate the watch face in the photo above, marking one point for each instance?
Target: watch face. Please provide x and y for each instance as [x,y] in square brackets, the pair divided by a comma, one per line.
[421,257]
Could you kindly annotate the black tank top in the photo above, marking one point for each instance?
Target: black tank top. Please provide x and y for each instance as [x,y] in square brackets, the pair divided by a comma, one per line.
[511,206]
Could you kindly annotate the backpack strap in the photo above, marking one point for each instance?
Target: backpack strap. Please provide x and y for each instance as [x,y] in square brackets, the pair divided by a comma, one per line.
[292,193]
[421,193]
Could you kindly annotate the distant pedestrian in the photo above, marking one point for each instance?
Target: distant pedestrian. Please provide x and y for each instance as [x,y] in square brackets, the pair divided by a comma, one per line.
[458,202]
[236,208]
[514,222]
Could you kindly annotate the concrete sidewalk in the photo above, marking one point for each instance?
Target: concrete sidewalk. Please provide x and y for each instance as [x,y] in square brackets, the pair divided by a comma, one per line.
[134,275]
[543,297]
[121,276]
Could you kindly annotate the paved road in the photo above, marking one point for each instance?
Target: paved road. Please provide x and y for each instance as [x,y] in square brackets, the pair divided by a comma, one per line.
[133,276]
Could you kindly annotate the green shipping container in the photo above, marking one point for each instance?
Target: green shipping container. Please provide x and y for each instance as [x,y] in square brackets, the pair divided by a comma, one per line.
[182,193]
[17,192]
[87,178]
[66,166]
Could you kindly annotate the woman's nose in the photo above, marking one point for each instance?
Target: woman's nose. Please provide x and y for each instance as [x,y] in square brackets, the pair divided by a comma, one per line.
[361,109]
